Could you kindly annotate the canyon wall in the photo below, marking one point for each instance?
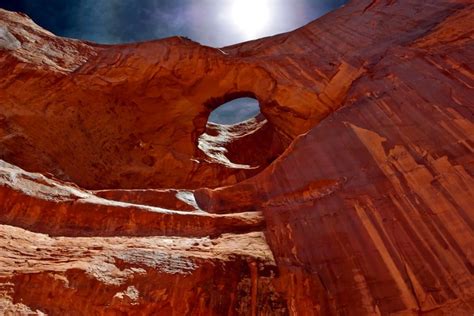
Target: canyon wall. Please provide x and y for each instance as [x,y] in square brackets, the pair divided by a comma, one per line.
[352,194]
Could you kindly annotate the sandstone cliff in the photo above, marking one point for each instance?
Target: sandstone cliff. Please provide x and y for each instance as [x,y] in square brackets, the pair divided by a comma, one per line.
[353,194]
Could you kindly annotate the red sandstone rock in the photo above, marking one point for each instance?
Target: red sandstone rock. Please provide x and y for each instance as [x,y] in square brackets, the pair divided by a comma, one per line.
[135,276]
[369,209]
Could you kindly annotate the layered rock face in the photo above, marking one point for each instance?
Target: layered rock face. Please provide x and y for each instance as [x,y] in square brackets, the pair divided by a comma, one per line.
[353,194]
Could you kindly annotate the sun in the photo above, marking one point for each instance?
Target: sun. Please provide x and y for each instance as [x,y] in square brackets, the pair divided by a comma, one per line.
[251,17]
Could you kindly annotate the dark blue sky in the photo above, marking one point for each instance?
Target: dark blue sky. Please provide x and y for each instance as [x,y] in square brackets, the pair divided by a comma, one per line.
[211,22]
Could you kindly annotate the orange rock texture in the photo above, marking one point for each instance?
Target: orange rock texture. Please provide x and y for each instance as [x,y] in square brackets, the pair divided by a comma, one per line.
[352,193]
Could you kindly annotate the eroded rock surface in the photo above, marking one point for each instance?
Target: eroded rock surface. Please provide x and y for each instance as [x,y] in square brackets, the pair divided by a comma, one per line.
[352,195]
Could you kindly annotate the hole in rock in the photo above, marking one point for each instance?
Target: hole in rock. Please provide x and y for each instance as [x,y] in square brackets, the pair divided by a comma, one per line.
[238,136]
[235,111]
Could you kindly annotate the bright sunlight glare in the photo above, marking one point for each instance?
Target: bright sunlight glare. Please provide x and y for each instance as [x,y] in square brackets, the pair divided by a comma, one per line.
[251,17]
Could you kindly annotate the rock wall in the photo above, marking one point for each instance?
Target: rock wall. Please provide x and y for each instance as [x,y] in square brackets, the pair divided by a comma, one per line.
[364,193]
